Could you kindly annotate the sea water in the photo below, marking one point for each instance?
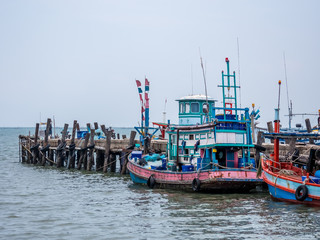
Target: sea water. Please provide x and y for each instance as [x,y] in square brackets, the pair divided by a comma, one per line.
[48,203]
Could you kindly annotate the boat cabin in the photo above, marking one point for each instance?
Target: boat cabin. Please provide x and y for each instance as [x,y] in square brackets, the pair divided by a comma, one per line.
[195,109]
[210,137]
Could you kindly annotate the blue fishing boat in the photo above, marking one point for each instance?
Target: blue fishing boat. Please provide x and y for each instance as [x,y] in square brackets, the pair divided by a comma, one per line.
[208,150]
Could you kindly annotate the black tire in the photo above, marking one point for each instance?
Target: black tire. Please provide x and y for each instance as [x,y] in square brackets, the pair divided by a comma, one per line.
[301,193]
[196,185]
[151,182]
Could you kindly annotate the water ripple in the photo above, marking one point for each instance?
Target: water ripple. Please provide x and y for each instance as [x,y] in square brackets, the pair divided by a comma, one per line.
[50,203]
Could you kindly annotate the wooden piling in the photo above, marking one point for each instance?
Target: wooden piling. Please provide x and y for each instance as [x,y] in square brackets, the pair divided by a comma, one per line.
[124,157]
[309,129]
[260,140]
[35,147]
[113,162]
[61,148]
[51,156]
[91,151]
[45,145]
[83,152]
[270,129]
[99,160]
[72,146]
[107,148]
[22,149]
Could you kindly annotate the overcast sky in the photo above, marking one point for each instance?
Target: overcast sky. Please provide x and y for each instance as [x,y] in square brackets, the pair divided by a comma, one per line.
[79,59]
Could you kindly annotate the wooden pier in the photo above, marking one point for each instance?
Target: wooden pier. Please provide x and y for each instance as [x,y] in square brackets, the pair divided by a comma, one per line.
[90,154]
[85,153]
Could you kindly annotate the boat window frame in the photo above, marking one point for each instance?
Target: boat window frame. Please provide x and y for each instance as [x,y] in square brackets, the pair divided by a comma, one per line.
[206,104]
[192,108]
[174,139]
[187,107]
[182,107]
[203,136]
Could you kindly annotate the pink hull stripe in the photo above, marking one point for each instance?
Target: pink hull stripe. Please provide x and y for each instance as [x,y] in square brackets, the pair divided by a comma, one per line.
[187,177]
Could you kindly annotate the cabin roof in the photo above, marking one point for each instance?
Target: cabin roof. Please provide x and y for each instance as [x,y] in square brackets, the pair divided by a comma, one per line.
[200,97]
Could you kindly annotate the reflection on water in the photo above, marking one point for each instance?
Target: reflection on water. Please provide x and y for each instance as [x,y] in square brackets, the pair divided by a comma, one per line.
[50,203]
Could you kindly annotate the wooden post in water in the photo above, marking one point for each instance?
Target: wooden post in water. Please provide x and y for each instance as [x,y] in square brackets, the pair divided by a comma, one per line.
[113,162]
[23,149]
[28,146]
[83,151]
[309,129]
[91,150]
[51,156]
[124,157]
[100,160]
[107,148]
[72,146]
[45,146]
[260,140]
[61,147]
[270,129]
[35,148]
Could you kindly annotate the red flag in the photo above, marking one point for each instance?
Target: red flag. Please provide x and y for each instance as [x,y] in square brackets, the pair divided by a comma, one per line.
[138,83]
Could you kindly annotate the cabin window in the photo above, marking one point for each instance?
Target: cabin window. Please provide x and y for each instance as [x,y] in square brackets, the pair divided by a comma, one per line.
[194,107]
[203,136]
[186,137]
[209,135]
[186,151]
[182,108]
[191,137]
[197,136]
[174,139]
[205,107]
[187,107]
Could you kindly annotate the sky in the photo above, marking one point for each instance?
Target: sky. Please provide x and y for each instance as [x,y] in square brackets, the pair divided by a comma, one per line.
[78,60]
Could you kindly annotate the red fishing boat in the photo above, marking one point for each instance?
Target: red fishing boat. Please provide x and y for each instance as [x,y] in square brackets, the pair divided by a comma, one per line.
[286,180]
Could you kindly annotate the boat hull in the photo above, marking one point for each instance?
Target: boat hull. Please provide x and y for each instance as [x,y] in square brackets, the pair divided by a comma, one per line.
[219,180]
[282,188]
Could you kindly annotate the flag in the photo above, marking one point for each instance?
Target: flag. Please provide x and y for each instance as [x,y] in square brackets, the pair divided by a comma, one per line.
[147,85]
[138,83]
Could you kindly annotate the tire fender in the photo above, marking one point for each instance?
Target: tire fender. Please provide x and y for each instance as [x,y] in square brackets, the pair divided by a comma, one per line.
[301,193]
[151,182]
[196,184]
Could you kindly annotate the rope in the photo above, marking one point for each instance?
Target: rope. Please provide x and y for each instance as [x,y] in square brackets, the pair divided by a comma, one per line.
[105,165]
[249,167]
[39,152]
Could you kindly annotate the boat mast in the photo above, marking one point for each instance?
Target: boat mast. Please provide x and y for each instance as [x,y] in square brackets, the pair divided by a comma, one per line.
[205,87]
[289,104]
[277,130]
[229,100]
[146,98]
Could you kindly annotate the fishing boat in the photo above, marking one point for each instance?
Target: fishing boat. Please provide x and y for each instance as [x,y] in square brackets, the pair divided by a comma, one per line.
[288,181]
[208,150]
